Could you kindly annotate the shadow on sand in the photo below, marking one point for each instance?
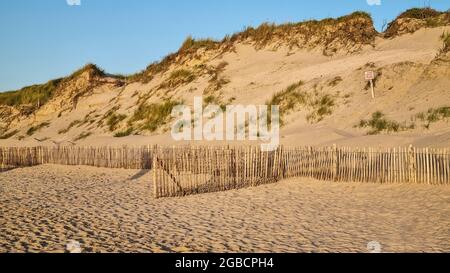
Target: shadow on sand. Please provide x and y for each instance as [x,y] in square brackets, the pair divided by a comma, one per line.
[140,174]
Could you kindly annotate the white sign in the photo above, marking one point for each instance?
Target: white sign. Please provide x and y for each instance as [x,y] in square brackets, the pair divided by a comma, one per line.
[369,75]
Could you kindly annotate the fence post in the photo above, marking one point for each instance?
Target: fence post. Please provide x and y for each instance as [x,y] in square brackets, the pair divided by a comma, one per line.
[155,184]
[335,162]
[411,164]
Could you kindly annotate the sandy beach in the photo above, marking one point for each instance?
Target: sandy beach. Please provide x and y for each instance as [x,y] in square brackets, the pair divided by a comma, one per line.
[105,210]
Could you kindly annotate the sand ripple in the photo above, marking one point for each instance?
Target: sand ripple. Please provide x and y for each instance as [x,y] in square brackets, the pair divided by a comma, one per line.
[45,207]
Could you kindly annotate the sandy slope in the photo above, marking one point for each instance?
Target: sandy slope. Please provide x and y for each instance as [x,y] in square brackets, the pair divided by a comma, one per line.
[408,85]
[44,207]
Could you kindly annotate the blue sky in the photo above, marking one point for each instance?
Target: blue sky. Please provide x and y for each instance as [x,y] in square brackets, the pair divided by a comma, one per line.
[46,39]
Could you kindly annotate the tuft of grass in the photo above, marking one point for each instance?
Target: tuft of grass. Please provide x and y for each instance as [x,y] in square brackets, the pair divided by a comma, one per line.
[445,37]
[125,133]
[288,99]
[434,115]
[36,128]
[9,134]
[71,125]
[379,123]
[431,17]
[335,81]
[178,77]
[114,120]
[152,116]
[34,96]
[420,13]
[322,106]
[191,45]
[82,136]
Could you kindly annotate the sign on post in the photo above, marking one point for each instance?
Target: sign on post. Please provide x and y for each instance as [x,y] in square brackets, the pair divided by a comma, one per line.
[370,76]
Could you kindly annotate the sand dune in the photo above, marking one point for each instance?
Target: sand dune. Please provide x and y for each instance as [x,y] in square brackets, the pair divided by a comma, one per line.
[44,207]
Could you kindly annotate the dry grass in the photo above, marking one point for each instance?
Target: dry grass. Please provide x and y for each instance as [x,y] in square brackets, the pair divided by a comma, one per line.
[434,115]
[10,134]
[430,18]
[379,124]
[37,128]
[114,120]
[82,136]
[152,116]
[177,78]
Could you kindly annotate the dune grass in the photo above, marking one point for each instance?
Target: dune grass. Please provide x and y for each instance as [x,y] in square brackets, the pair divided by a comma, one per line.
[434,115]
[321,106]
[114,120]
[379,124]
[35,95]
[37,128]
[445,37]
[152,116]
[82,136]
[8,135]
[125,133]
[177,78]
[431,17]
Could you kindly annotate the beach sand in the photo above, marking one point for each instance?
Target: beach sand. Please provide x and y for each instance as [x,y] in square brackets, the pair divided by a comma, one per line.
[105,210]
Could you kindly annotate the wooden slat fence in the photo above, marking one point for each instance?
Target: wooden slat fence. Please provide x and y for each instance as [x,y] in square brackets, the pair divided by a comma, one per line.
[107,157]
[189,170]
[180,171]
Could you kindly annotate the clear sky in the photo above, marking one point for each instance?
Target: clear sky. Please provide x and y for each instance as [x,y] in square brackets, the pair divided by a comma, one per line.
[45,39]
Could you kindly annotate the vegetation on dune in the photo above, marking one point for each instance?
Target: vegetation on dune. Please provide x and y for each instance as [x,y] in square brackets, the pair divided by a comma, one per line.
[35,96]
[379,123]
[321,106]
[125,133]
[361,31]
[36,128]
[152,116]
[114,120]
[191,45]
[420,13]
[430,18]
[71,125]
[7,135]
[217,81]
[318,105]
[82,136]
[335,81]
[434,115]
[445,37]
[357,32]
[177,78]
